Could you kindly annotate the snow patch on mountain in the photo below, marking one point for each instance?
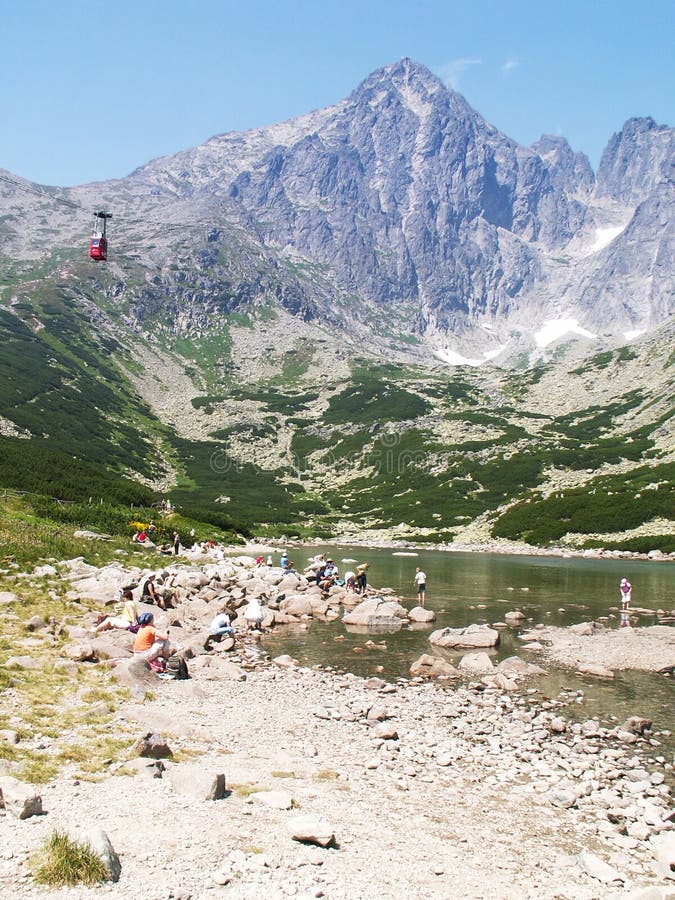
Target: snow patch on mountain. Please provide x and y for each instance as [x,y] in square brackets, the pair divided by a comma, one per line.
[553,329]
[452,358]
[603,237]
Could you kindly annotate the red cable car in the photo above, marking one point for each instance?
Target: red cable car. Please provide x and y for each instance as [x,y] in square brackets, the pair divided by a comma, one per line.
[98,245]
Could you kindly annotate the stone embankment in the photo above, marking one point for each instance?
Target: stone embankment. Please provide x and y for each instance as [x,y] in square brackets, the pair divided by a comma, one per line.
[259,778]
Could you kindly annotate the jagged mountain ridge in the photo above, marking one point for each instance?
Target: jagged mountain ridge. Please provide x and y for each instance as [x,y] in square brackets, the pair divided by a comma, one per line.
[408,198]
[399,203]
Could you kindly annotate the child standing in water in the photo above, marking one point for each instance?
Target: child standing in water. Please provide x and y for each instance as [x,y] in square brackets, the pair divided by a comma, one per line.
[626,591]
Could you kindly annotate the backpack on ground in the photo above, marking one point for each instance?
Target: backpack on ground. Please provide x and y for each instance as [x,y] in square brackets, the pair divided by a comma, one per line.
[177,667]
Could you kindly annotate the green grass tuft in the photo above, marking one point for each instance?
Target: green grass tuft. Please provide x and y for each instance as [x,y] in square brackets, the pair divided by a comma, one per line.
[64,862]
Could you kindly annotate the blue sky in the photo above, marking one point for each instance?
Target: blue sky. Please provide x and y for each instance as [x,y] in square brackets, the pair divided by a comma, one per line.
[90,91]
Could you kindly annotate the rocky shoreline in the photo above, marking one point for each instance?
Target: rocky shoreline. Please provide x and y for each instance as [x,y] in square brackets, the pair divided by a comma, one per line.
[331,785]
[482,546]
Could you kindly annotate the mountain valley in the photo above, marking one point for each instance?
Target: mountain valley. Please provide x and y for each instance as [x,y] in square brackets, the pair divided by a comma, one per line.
[384,319]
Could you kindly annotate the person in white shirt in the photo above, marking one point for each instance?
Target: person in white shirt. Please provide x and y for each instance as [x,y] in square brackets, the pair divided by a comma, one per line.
[421,582]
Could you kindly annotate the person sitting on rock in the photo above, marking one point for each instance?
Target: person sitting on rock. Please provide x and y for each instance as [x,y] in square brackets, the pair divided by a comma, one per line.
[127,617]
[283,562]
[149,593]
[330,574]
[150,644]
[219,628]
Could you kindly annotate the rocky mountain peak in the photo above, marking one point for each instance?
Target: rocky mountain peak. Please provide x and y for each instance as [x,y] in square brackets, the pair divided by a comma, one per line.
[571,171]
[637,160]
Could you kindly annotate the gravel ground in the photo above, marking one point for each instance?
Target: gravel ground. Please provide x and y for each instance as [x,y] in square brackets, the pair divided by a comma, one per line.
[428,795]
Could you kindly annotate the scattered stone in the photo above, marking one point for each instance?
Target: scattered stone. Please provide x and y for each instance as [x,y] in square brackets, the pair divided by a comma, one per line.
[152,746]
[385,731]
[663,848]
[20,799]
[22,662]
[421,614]
[515,617]
[595,669]
[197,782]
[285,661]
[273,799]
[428,666]
[636,725]
[312,830]
[91,536]
[99,842]
[595,867]
[377,612]
[476,664]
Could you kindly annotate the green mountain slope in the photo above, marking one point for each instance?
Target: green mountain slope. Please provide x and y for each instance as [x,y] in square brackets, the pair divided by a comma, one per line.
[289,427]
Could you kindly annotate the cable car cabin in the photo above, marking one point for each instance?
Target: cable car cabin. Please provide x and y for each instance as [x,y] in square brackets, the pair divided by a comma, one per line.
[98,245]
[98,248]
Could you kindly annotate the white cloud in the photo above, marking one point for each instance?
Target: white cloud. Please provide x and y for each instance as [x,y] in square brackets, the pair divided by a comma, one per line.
[511,63]
[452,72]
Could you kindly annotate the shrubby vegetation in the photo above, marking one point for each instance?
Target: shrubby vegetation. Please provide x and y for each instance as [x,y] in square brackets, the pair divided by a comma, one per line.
[605,505]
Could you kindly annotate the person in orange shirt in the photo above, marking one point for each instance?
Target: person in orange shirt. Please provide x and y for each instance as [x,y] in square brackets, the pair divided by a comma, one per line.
[149,643]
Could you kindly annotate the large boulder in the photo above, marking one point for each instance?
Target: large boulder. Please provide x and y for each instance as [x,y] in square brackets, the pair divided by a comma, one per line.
[288,583]
[297,605]
[136,674]
[377,612]
[100,585]
[471,637]
[663,848]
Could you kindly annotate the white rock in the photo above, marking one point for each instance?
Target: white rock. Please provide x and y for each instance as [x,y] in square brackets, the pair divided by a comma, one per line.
[285,661]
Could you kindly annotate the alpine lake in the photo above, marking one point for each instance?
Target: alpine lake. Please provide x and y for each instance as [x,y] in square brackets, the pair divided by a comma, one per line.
[465,588]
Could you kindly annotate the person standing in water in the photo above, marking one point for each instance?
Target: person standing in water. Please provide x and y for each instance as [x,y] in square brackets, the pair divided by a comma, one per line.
[626,591]
[421,582]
